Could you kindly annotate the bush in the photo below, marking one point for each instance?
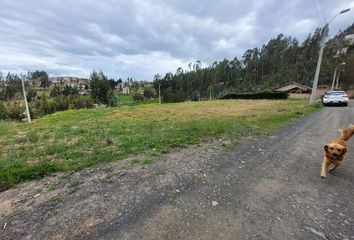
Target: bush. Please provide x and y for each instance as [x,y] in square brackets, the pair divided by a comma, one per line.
[15,112]
[44,106]
[149,92]
[31,95]
[2,95]
[138,97]
[169,97]
[62,103]
[82,102]
[112,100]
[3,111]
[52,106]
[259,95]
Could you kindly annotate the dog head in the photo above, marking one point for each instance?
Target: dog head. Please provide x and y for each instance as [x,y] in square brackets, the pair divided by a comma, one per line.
[335,151]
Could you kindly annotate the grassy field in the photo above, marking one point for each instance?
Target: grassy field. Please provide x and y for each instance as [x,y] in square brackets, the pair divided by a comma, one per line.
[72,140]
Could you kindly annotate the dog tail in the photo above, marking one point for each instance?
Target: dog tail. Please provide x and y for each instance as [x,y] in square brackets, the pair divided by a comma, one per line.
[347,133]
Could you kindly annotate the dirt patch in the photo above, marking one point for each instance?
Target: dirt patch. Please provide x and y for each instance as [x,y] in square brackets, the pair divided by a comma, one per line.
[266,188]
[6,206]
[32,162]
[69,205]
[86,226]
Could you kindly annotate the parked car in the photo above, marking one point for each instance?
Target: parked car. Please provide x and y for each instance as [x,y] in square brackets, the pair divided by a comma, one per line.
[335,98]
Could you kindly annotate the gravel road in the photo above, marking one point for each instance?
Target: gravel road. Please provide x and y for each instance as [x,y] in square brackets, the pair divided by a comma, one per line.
[265,187]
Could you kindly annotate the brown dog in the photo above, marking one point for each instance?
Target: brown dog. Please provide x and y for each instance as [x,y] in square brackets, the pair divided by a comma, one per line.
[334,151]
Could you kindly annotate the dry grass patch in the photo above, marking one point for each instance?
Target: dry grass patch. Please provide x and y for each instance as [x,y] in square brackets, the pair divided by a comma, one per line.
[75,139]
[196,110]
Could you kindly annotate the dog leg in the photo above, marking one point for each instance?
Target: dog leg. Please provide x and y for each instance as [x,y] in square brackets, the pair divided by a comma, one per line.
[333,168]
[325,165]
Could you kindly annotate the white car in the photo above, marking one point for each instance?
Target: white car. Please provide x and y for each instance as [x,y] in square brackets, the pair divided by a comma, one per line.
[335,98]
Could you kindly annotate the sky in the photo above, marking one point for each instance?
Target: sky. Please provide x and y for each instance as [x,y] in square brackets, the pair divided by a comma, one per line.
[141,38]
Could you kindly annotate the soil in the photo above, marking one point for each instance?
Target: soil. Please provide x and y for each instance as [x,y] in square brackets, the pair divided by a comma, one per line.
[266,187]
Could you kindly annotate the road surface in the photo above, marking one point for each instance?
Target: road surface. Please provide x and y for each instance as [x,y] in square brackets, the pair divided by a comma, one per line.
[261,188]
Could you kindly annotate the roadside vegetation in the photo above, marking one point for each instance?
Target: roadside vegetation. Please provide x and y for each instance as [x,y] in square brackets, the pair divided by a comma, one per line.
[75,139]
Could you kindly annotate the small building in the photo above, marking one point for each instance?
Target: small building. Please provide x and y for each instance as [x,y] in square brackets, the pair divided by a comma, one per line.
[293,87]
[299,91]
[295,90]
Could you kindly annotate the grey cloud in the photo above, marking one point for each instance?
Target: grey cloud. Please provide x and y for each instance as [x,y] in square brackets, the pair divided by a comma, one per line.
[139,38]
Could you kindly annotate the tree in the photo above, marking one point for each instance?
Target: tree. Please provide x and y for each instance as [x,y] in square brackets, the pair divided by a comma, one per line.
[44,81]
[100,87]
[31,95]
[14,86]
[44,104]
[42,76]
[113,83]
[70,91]
[56,91]
[281,60]
[112,100]
[149,92]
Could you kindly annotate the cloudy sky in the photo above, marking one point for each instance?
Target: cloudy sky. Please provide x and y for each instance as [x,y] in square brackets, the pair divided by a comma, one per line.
[140,38]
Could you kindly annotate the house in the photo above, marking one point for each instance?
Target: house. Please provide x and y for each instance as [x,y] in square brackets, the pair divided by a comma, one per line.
[126,90]
[299,91]
[80,83]
[293,87]
[295,90]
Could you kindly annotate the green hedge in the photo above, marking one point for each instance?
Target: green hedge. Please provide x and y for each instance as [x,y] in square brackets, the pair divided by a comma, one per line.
[259,95]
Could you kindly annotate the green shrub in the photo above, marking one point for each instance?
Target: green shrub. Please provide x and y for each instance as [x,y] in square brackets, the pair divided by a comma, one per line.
[170,97]
[138,97]
[82,102]
[44,107]
[62,103]
[3,111]
[15,112]
[149,92]
[112,100]
[259,95]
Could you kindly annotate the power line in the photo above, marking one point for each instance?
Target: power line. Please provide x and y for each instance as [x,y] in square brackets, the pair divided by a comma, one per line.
[323,10]
[317,11]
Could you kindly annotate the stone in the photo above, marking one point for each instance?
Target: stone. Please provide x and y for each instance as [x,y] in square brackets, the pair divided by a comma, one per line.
[317,233]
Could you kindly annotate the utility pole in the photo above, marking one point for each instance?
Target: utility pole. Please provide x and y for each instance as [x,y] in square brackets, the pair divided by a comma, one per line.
[334,78]
[317,73]
[25,99]
[338,79]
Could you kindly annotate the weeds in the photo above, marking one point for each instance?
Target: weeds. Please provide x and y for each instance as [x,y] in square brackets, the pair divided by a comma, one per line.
[72,140]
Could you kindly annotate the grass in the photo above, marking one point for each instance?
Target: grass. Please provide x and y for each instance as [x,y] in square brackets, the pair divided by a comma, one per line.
[127,100]
[75,139]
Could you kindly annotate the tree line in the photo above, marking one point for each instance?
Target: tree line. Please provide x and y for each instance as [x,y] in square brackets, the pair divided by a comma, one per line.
[47,97]
[281,60]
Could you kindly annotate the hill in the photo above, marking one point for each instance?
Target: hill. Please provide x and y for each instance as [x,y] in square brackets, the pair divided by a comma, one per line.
[283,59]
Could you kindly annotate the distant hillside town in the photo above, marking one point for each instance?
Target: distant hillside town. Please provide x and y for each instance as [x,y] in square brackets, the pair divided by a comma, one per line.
[81,84]
[46,95]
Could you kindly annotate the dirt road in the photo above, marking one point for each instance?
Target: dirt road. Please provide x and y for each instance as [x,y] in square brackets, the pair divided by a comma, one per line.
[257,188]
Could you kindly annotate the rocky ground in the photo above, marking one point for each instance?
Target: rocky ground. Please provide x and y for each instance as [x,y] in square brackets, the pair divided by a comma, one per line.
[258,188]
